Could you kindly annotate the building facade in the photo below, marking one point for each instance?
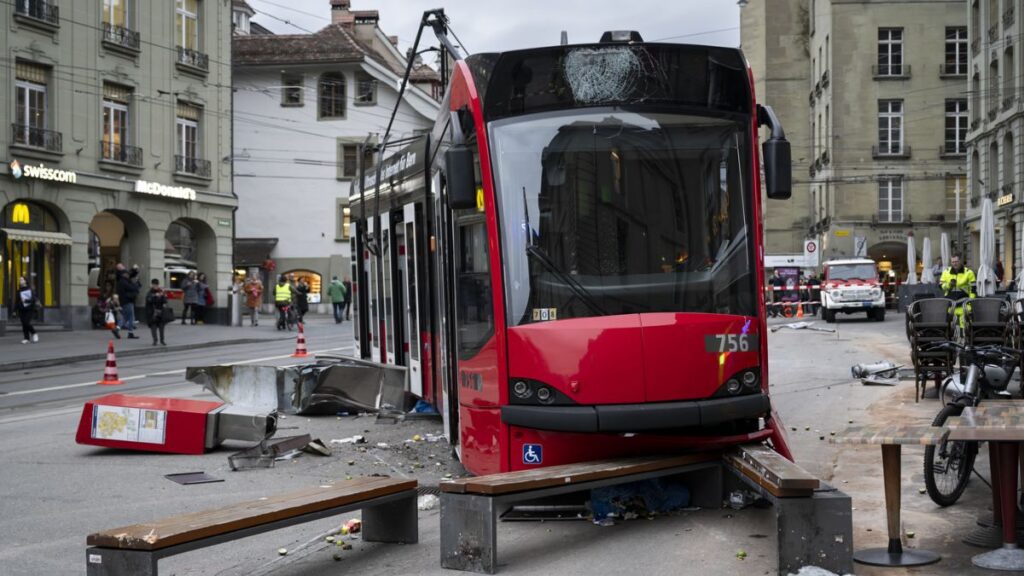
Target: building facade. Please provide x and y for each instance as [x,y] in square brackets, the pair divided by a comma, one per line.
[116,120]
[885,133]
[308,109]
[994,130]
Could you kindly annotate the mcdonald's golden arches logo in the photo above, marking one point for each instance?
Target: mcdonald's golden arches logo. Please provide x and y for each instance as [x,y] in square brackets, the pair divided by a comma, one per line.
[20,214]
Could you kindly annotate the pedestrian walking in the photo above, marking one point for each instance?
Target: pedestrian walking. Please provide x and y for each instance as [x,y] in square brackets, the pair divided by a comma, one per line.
[282,300]
[336,292]
[114,315]
[253,289]
[203,299]
[302,299]
[156,311]
[27,304]
[128,289]
[348,298]
[191,297]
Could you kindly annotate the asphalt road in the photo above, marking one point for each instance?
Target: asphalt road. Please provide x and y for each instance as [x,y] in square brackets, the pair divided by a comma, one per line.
[55,492]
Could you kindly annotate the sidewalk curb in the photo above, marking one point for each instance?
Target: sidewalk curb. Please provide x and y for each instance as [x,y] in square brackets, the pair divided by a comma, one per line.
[46,362]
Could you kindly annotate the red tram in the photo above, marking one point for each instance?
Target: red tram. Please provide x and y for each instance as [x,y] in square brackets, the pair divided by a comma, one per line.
[569,264]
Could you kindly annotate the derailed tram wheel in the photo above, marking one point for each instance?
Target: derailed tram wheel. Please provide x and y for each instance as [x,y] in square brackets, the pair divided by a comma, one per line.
[948,466]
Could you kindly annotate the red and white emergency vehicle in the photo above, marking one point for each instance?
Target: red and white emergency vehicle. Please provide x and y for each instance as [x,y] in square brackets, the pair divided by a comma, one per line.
[851,286]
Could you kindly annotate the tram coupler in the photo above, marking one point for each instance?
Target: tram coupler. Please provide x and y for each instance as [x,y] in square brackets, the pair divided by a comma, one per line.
[172,425]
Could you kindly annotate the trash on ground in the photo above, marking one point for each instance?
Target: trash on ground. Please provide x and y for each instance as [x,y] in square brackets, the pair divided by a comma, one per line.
[350,440]
[741,554]
[427,502]
[740,499]
[642,498]
[317,447]
[802,326]
[881,368]
[382,444]
[264,454]
[353,526]
[186,478]
[282,551]
[879,381]
[422,407]
[813,571]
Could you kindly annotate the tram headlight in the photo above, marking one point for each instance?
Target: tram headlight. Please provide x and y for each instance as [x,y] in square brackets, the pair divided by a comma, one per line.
[750,379]
[544,395]
[522,390]
[732,386]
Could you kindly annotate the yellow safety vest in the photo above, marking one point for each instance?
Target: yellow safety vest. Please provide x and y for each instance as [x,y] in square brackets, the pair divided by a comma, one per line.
[964,280]
[283,293]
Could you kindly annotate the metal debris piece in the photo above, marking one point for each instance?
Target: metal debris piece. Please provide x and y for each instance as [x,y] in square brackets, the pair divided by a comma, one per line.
[317,448]
[802,326]
[186,478]
[264,454]
[879,381]
[349,440]
[882,369]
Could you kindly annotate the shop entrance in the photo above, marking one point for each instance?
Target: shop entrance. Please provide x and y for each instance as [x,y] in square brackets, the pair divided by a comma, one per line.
[190,244]
[31,247]
[115,236]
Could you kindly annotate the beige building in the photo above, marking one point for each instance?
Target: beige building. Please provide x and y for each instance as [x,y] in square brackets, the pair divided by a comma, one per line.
[885,85]
[995,126]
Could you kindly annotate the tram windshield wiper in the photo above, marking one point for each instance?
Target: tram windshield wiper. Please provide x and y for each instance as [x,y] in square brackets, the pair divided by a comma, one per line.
[542,256]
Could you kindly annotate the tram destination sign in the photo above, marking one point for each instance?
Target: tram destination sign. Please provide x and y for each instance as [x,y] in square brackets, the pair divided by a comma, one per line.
[42,172]
[157,189]
[405,163]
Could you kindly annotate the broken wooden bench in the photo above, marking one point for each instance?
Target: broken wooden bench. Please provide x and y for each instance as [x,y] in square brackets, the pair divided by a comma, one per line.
[814,521]
[388,515]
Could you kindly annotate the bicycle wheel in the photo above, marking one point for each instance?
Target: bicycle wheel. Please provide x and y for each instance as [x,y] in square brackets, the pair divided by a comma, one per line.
[947,467]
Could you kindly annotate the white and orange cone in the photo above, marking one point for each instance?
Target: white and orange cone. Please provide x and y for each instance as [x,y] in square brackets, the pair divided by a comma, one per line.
[300,344]
[110,371]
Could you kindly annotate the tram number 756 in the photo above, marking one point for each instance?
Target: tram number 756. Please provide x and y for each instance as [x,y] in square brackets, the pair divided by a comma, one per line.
[730,343]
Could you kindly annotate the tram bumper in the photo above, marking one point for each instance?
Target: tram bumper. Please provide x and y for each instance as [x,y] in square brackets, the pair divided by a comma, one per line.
[617,418]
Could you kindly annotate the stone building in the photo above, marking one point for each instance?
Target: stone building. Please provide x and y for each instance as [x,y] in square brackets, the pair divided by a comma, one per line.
[884,135]
[305,105]
[116,123]
[995,126]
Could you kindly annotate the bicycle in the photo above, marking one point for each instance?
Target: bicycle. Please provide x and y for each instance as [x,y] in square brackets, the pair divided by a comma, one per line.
[985,373]
[286,317]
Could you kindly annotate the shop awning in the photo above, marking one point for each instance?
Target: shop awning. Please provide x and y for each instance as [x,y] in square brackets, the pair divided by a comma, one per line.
[253,251]
[58,238]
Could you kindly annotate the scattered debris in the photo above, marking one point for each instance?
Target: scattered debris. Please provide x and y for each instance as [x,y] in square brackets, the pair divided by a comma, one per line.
[813,571]
[337,557]
[382,445]
[282,551]
[329,539]
[802,326]
[427,502]
[644,498]
[264,454]
[910,534]
[317,447]
[740,499]
[186,478]
[741,554]
[352,526]
[350,440]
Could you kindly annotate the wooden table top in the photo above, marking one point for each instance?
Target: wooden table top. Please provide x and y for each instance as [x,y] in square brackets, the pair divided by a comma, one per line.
[989,422]
[918,434]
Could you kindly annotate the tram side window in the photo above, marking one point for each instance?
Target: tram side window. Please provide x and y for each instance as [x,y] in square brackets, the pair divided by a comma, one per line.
[474,306]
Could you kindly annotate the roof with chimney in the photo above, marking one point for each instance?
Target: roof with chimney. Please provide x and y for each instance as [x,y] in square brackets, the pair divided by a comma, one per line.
[335,43]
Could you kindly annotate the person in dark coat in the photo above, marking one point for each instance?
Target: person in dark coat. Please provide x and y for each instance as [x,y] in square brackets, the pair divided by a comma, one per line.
[202,297]
[26,306]
[348,298]
[189,294]
[156,300]
[128,289]
[302,299]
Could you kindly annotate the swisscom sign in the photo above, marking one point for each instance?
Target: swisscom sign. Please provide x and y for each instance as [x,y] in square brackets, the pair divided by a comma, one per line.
[41,172]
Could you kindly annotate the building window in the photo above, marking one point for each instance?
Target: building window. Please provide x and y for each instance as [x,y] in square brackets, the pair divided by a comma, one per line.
[890,127]
[115,12]
[890,200]
[976,97]
[345,221]
[1009,90]
[993,89]
[186,17]
[890,51]
[291,91]
[31,113]
[956,51]
[240,19]
[331,92]
[1008,157]
[115,144]
[956,127]
[188,146]
[366,89]
[348,159]
[956,191]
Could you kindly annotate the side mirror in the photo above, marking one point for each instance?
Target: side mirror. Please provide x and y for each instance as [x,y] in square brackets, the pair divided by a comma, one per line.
[461,177]
[778,169]
[778,165]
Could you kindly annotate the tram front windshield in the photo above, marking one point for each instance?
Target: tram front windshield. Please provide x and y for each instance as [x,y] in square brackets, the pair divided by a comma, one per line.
[608,211]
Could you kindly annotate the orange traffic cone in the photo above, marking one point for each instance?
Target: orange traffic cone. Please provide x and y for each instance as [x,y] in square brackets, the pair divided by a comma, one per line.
[300,344]
[110,371]
[799,310]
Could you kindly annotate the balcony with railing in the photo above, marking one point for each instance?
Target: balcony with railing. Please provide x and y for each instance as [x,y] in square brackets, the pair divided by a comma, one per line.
[119,37]
[953,70]
[953,150]
[894,151]
[121,154]
[891,71]
[192,166]
[37,138]
[993,32]
[37,12]
[824,79]
[192,60]
[1008,17]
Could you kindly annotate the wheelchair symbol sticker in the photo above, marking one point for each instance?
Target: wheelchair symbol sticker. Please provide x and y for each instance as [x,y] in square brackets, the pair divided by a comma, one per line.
[533,453]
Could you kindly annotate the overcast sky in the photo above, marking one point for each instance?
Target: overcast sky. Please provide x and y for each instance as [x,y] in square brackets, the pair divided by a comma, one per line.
[496,25]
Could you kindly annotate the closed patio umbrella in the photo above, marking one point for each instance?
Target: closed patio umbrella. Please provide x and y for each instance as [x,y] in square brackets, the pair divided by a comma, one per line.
[911,260]
[927,277]
[986,275]
[944,250]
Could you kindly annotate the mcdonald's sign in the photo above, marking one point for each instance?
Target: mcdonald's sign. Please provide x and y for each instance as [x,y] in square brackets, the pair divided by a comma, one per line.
[20,214]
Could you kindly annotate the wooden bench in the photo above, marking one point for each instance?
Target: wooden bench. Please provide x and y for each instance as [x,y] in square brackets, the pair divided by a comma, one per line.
[389,515]
[814,521]
[470,506]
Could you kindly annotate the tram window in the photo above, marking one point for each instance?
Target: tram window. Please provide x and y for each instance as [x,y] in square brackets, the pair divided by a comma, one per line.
[474,305]
[411,273]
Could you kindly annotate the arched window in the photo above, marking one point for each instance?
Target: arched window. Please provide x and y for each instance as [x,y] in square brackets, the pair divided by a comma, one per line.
[312,279]
[1008,156]
[975,176]
[180,244]
[331,92]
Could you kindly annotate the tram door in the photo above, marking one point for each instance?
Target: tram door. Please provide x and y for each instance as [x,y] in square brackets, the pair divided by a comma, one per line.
[440,250]
[376,322]
[358,286]
[387,326]
[412,286]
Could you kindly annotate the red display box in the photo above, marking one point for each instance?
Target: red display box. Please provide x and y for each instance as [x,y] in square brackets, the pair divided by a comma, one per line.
[148,423]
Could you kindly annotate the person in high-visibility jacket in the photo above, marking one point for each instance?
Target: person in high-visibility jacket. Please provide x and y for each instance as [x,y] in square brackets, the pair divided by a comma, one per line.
[282,300]
[957,282]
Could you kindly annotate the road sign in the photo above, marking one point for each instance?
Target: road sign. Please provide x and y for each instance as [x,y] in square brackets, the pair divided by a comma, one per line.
[860,247]
[811,252]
